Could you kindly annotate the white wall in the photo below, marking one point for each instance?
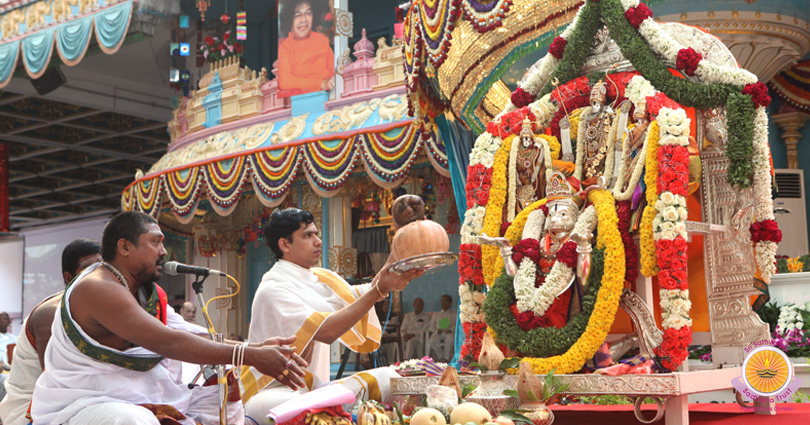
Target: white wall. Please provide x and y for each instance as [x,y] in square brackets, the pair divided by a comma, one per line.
[42,268]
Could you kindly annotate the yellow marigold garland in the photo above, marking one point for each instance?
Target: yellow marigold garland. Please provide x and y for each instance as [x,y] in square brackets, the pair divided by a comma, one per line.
[515,230]
[607,303]
[553,145]
[490,255]
[647,260]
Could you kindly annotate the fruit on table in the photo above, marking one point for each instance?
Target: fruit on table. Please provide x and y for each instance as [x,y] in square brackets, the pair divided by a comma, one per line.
[470,412]
[371,413]
[427,416]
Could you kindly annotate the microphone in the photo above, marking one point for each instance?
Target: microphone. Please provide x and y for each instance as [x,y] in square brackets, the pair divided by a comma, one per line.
[174,268]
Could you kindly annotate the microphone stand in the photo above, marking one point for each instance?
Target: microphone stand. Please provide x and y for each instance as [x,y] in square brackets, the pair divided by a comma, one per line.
[216,337]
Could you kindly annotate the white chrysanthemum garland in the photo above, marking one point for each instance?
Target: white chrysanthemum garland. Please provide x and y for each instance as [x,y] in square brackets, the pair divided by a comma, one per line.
[765,248]
[539,300]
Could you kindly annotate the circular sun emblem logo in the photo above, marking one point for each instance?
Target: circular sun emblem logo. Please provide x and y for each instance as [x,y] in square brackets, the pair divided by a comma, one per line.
[767,371]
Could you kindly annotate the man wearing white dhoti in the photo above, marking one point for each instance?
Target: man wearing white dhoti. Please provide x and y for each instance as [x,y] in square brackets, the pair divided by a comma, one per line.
[112,358]
[319,308]
[414,329]
[443,328]
[29,353]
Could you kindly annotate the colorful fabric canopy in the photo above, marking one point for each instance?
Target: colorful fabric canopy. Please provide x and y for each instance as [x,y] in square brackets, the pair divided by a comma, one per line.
[387,154]
[71,36]
[793,86]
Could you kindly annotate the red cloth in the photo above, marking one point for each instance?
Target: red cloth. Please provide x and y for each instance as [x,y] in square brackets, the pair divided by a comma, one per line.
[699,414]
[304,64]
[333,411]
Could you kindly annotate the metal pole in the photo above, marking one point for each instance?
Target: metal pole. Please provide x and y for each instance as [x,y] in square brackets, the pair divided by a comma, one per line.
[216,337]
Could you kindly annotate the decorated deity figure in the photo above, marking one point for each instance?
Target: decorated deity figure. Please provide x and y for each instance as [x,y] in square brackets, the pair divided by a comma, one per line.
[537,288]
[632,159]
[530,169]
[595,138]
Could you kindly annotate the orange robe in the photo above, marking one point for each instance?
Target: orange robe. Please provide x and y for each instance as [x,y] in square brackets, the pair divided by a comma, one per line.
[304,64]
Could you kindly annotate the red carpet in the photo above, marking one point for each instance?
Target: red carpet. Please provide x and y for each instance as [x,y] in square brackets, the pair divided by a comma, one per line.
[699,413]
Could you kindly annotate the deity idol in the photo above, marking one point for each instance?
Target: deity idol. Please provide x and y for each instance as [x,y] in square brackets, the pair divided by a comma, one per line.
[595,138]
[632,158]
[564,203]
[530,168]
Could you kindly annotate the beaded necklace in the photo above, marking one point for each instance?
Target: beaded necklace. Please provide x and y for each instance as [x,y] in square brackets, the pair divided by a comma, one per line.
[116,273]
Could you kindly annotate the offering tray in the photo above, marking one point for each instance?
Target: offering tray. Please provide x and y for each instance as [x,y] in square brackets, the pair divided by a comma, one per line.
[670,389]
[428,263]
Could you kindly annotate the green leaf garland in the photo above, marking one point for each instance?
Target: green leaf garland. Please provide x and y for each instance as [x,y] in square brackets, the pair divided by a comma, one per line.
[740,147]
[687,93]
[540,342]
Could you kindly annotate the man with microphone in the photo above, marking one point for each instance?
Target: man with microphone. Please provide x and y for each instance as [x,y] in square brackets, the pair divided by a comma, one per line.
[317,306]
[114,357]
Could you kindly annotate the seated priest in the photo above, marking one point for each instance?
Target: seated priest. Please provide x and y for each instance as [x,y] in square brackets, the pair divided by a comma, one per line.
[29,354]
[115,356]
[317,306]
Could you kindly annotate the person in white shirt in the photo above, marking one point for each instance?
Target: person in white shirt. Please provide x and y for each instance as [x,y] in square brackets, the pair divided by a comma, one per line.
[414,327]
[317,306]
[443,328]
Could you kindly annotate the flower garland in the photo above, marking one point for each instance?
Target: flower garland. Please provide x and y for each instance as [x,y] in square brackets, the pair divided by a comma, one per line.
[646,240]
[529,296]
[494,212]
[765,233]
[560,349]
[670,235]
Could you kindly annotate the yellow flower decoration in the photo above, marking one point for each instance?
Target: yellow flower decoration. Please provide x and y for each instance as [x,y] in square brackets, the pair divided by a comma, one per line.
[515,230]
[795,265]
[553,145]
[607,303]
[491,263]
[647,260]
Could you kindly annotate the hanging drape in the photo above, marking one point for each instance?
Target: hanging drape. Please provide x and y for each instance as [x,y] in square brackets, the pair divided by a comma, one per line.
[458,142]
[71,38]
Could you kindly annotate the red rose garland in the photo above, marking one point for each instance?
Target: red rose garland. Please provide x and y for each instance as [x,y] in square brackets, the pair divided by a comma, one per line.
[521,98]
[511,123]
[671,256]
[472,344]
[469,264]
[758,93]
[479,181]
[688,60]
[636,15]
[526,248]
[766,230]
[557,47]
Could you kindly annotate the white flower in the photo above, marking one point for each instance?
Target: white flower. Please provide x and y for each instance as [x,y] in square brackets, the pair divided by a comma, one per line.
[674,321]
[479,297]
[667,235]
[627,4]
[667,198]
[680,229]
[670,214]
[639,89]
[682,213]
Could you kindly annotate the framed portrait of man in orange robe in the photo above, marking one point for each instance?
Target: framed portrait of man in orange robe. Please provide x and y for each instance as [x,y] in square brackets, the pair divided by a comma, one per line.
[306,59]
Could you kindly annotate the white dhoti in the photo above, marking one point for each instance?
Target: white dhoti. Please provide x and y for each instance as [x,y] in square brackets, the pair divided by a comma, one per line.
[292,300]
[78,389]
[20,382]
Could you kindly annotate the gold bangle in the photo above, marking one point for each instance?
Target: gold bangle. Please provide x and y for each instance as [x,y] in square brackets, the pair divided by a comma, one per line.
[377,287]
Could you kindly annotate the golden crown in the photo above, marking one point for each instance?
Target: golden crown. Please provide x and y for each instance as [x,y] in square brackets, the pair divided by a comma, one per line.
[559,190]
[527,128]
[599,91]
